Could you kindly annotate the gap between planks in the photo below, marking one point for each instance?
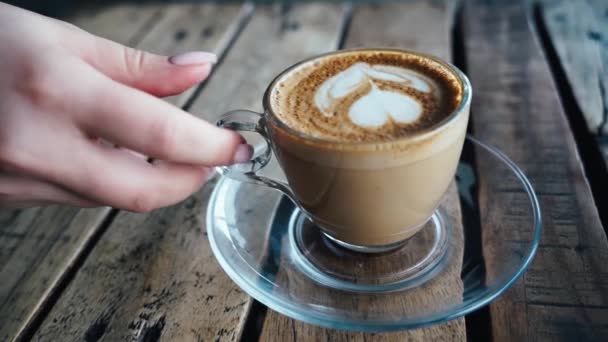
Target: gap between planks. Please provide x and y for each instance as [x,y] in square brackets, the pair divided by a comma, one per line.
[593,149]
[519,111]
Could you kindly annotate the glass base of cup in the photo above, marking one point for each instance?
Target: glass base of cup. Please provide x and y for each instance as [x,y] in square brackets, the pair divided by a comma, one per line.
[366,249]
[374,269]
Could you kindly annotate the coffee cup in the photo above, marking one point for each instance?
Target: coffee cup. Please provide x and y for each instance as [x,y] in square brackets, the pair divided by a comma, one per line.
[368,139]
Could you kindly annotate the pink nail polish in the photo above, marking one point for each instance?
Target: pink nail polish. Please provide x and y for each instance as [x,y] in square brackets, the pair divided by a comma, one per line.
[243,153]
[193,58]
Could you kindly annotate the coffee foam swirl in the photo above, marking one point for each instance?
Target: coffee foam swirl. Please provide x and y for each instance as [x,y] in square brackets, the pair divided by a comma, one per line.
[370,95]
[374,108]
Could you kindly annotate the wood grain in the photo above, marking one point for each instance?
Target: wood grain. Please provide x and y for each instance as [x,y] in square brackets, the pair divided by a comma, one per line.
[190,27]
[125,23]
[397,30]
[38,245]
[276,38]
[150,275]
[579,32]
[154,276]
[564,294]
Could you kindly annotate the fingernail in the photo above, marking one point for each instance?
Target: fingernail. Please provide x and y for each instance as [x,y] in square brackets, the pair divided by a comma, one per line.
[242,154]
[193,58]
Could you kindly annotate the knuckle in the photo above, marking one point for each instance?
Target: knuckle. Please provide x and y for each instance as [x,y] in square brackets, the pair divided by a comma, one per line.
[134,60]
[39,85]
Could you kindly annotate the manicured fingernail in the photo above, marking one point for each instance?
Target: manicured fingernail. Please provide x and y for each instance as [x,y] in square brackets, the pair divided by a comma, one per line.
[243,153]
[193,58]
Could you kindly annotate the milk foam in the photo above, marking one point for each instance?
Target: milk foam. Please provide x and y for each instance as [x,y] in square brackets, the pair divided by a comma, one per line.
[376,107]
[365,96]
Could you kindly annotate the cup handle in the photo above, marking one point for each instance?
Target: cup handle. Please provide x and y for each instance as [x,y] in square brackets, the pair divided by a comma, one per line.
[249,121]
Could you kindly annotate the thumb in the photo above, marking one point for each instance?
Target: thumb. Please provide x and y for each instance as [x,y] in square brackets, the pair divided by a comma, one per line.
[154,74]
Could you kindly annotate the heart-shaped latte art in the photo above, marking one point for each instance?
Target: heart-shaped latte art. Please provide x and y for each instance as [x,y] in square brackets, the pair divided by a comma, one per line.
[377,106]
[374,108]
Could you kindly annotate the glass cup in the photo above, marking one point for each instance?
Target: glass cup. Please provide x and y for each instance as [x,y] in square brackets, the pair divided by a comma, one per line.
[365,196]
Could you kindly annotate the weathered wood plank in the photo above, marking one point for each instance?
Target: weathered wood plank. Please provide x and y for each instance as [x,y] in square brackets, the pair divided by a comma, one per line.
[187,27]
[400,26]
[38,245]
[398,21]
[155,274]
[125,23]
[45,244]
[579,32]
[564,294]
[276,38]
[149,275]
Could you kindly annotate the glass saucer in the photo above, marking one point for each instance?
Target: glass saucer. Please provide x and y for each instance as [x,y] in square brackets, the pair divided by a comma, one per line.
[274,253]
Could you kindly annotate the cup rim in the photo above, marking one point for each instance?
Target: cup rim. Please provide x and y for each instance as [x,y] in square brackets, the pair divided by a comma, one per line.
[367,145]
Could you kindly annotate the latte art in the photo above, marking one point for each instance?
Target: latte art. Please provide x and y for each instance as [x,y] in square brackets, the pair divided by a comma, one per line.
[365,96]
[377,106]
[374,108]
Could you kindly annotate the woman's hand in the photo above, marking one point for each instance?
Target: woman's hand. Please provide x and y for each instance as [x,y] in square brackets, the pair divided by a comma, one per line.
[68,98]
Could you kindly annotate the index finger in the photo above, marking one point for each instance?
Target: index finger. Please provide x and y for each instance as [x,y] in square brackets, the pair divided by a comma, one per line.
[149,125]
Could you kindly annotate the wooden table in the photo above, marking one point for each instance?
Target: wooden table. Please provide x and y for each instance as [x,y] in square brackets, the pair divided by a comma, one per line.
[540,79]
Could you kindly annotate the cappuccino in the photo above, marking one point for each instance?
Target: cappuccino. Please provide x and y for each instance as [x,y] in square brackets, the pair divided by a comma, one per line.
[369,140]
[368,96]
